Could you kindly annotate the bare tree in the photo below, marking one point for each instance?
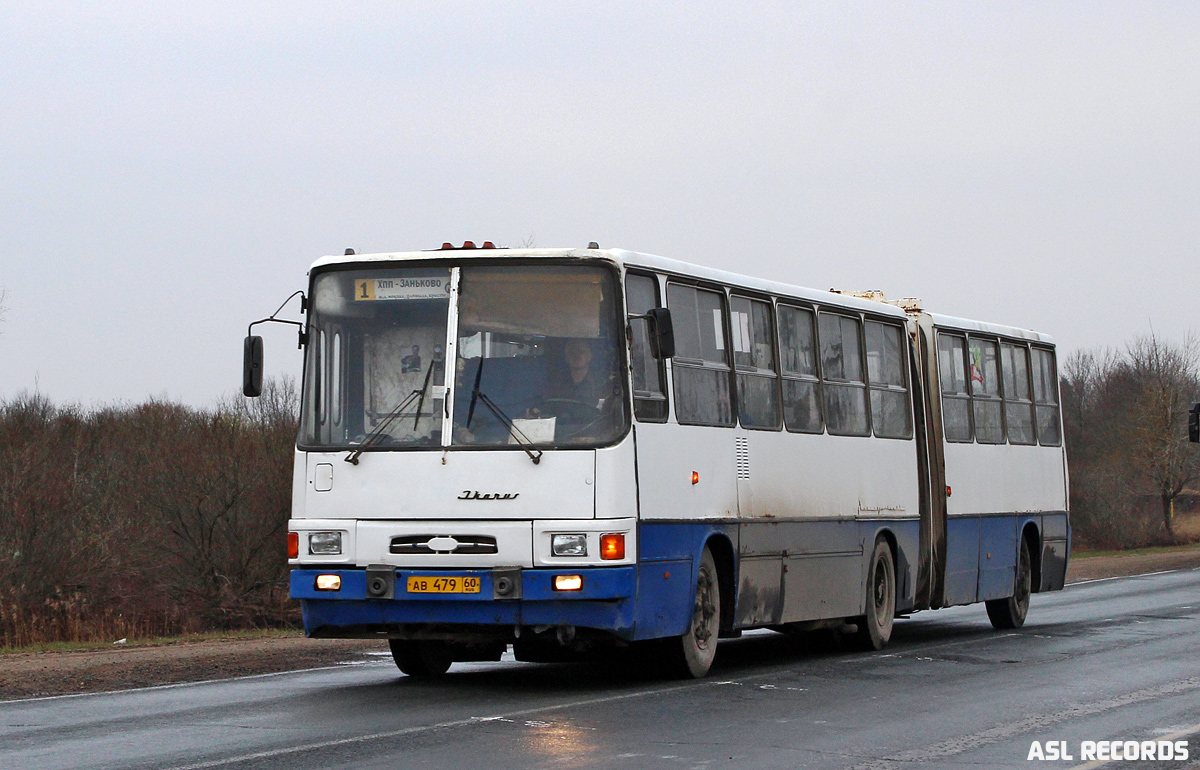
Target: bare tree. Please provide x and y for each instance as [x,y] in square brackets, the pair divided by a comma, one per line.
[1167,377]
[1124,413]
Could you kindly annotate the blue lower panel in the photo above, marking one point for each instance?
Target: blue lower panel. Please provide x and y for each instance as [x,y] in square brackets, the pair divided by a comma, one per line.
[605,602]
[962,560]
[997,557]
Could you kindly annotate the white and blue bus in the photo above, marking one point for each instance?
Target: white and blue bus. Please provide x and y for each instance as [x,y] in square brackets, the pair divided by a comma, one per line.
[567,450]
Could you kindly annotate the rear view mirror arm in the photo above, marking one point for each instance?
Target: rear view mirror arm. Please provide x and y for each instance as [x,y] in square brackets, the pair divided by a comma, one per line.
[272,319]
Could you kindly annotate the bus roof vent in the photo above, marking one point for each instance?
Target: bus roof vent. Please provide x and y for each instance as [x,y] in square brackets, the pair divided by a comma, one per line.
[911,305]
[875,295]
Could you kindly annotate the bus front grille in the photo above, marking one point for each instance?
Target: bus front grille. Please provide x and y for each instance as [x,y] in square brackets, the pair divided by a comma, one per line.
[427,544]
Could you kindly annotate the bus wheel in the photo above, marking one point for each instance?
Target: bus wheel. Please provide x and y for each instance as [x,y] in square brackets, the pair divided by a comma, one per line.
[691,655]
[420,659]
[875,628]
[1010,613]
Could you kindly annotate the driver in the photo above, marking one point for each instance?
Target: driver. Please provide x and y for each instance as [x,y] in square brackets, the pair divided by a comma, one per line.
[577,378]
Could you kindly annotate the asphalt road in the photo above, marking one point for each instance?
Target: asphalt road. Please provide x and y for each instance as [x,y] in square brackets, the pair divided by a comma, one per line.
[1111,660]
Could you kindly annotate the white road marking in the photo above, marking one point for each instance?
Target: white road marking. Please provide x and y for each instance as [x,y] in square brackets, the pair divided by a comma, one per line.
[505,717]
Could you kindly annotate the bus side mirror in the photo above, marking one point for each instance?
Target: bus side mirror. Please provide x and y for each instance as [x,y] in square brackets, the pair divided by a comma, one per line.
[662,333]
[1194,423]
[252,366]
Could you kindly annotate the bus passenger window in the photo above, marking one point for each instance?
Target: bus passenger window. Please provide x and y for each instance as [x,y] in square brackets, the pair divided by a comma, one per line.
[754,358]
[988,410]
[649,395]
[841,370]
[1045,396]
[956,402]
[891,409]
[700,368]
[1018,407]
[798,354]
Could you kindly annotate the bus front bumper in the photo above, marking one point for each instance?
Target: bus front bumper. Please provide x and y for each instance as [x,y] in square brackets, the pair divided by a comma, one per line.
[604,600]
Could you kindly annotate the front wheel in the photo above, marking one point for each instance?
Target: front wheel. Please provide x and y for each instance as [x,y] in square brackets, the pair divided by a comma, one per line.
[692,654]
[1010,613]
[875,627]
[424,659]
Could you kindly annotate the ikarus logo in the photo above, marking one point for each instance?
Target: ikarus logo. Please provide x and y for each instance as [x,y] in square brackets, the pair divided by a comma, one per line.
[474,494]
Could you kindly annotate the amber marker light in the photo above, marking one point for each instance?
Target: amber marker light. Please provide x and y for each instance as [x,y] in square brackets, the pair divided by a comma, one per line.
[695,477]
[329,582]
[612,546]
[293,545]
[568,583]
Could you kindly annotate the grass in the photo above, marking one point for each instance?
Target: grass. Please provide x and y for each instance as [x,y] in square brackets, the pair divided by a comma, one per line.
[1088,554]
[266,633]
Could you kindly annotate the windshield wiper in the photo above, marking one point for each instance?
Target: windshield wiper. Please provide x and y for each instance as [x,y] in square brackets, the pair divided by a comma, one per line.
[374,435]
[523,441]
[478,396]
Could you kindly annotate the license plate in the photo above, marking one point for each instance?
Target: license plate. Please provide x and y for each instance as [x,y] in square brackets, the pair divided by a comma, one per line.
[443,585]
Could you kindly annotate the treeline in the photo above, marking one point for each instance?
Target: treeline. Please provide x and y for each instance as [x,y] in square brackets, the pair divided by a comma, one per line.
[1132,467]
[146,520]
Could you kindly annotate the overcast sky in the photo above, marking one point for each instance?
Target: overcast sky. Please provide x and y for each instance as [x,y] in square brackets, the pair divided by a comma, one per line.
[167,175]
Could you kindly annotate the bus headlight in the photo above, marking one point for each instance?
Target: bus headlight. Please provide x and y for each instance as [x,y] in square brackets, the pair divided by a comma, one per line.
[325,543]
[568,545]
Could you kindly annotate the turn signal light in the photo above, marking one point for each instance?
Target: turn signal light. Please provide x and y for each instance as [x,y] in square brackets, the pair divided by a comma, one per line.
[293,545]
[568,582]
[329,582]
[612,546]
[695,477]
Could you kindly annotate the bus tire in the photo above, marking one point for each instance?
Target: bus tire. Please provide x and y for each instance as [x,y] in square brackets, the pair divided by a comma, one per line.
[423,659]
[1010,613]
[875,627]
[691,655]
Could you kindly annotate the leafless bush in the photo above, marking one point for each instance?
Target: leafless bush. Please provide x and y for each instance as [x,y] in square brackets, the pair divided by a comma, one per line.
[148,519]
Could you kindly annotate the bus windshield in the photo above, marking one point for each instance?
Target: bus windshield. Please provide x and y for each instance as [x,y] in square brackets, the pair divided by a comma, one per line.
[535,360]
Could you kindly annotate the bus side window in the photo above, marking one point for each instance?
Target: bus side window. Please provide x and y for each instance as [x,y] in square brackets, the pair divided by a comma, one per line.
[754,359]
[798,356]
[987,407]
[1018,406]
[700,368]
[842,376]
[649,394]
[1045,397]
[891,408]
[956,402]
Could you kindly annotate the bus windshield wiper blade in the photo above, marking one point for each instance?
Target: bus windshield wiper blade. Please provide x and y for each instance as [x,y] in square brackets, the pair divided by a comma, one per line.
[374,435]
[523,441]
[475,393]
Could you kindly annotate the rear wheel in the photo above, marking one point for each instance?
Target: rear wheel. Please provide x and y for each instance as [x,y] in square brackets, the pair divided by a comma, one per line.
[875,627]
[692,654]
[1010,613]
[425,659]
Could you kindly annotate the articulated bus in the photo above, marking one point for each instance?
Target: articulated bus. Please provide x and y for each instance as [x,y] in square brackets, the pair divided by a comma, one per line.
[567,451]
